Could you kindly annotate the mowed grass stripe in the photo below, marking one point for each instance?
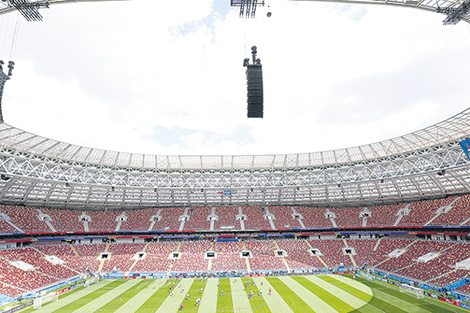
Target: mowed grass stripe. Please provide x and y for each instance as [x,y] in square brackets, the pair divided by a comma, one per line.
[274,301]
[354,283]
[257,302]
[239,297]
[172,303]
[209,298]
[99,302]
[293,301]
[371,301]
[329,298]
[384,290]
[122,299]
[194,293]
[141,297]
[74,295]
[311,299]
[80,302]
[334,296]
[156,299]
[224,302]
[62,303]
[324,282]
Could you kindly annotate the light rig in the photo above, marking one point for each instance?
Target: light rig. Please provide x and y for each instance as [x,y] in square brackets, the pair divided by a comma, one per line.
[29,10]
[254,84]
[3,78]
[247,7]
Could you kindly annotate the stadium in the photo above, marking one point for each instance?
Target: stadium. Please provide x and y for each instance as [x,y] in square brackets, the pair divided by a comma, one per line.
[380,227]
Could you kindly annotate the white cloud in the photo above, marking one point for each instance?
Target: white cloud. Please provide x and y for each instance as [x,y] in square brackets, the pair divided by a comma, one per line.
[167,77]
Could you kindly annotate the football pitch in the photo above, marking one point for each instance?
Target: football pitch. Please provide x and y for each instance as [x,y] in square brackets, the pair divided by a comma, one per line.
[321,293]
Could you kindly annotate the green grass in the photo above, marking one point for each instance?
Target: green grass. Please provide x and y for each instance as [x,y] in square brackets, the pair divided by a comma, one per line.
[121,299]
[61,296]
[331,300]
[194,293]
[224,302]
[427,303]
[294,301]
[299,293]
[258,305]
[92,296]
[156,299]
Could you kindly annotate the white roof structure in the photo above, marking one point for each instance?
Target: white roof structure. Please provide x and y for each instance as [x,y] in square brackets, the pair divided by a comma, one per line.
[428,163]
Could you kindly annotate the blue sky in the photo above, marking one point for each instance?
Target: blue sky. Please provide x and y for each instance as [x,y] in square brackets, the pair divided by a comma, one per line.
[151,77]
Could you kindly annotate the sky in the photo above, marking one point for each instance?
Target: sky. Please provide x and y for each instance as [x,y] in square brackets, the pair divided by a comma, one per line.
[166,77]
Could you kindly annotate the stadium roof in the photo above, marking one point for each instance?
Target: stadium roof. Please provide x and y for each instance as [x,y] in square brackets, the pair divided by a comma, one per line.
[428,163]
[452,129]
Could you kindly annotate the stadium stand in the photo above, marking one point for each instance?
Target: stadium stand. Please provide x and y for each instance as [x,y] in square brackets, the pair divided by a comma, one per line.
[88,256]
[264,258]
[139,220]
[192,257]
[332,251]
[7,228]
[228,257]
[169,219]
[384,215]
[103,220]
[348,217]
[35,258]
[283,217]
[25,218]
[29,280]
[450,277]
[121,257]
[255,219]
[423,211]
[413,252]
[157,257]
[65,220]
[364,249]
[368,250]
[465,288]
[314,217]
[298,256]
[457,215]
[226,218]
[198,221]
[10,291]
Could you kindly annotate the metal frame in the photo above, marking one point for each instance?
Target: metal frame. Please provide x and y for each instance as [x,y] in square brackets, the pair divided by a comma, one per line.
[425,164]
[455,10]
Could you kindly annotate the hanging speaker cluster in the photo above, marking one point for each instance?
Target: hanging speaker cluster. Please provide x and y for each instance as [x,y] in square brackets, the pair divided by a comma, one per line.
[254,83]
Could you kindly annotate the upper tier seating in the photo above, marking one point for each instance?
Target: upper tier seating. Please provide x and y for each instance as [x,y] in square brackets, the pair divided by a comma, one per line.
[65,220]
[138,220]
[198,221]
[348,217]
[423,211]
[227,218]
[314,217]
[255,218]
[169,219]
[384,215]
[283,217]
[26,219]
